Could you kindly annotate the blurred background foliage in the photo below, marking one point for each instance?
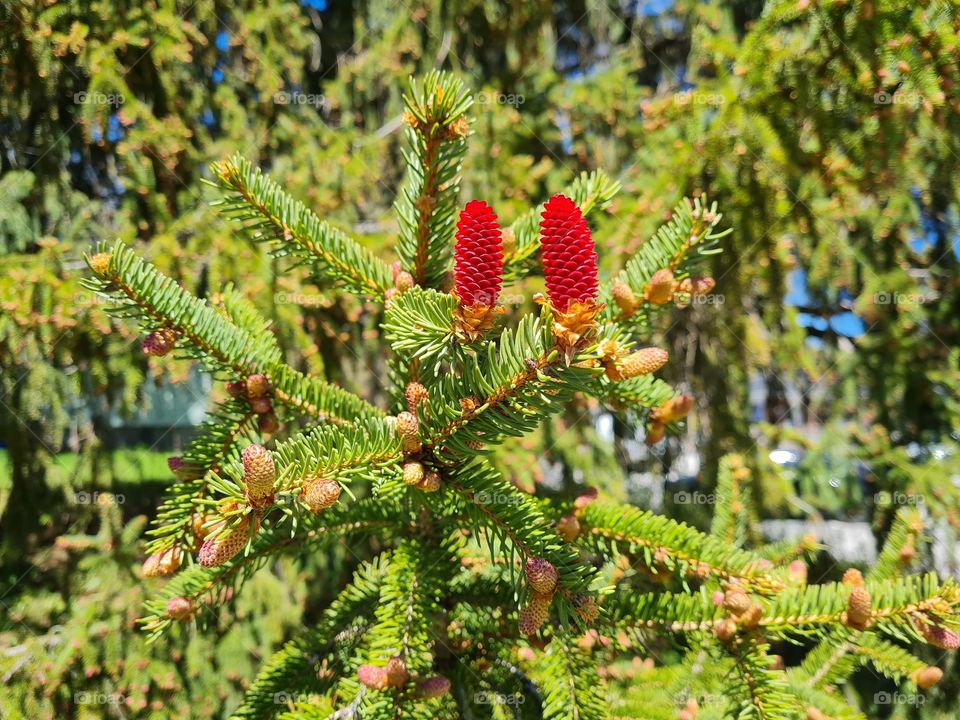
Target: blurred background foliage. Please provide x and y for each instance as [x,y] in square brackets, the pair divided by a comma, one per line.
[827,130]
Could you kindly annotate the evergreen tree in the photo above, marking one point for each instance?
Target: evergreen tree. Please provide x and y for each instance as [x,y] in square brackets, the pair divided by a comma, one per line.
[480,593]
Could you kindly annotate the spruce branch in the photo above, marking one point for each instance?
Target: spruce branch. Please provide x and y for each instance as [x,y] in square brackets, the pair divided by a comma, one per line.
[660,273]
[206,586]
[270,215]
[204,334]
[572,689]
[662,543]
[293,669]
[437,127]
[214,443]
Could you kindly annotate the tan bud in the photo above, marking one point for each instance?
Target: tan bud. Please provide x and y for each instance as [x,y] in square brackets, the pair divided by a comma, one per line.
[624,298]
[659,289]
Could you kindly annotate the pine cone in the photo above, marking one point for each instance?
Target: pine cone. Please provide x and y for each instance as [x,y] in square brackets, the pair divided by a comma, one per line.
[724,629]
[534,615]
[259,473]
[659,289]
[373,677]
[225,545]
[478,256]
[162,563]
[542,575]
[643,362]
[568,527]
[396,671]
[320,494]
[927,677]
[673,409]
[261,405]
[569,254]
[416,394]
[751,618]
[624,298]
[237,389]
[852,577]
[431,481]
[586,607]
[179,608]
[160,342]
[858,608]
[938,636]
[412,473]
[257,386]
[404,281]
[268,423]
[432,687]
[736,601]
[100,263]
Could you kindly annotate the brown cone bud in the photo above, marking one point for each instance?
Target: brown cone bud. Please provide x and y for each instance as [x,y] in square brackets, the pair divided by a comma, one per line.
[404,281]
[431,481]
[542,575]
[373,677]
[237,389]
[673,410]
[852,577]
[724,629]
[413,473]
[432,687]
[736,601]
[586,607]
[162,563]
[927,677]
[416,394]
[257,385]
[223,546]
[568,527]
[100,263]
[534,615]
[643,362]
[396,670]
[268,423]
[858,608]
[179,608]
[259,472]
[624,298]
[320,494]
[160,342]
[261,405]
[659,289]
[751,618]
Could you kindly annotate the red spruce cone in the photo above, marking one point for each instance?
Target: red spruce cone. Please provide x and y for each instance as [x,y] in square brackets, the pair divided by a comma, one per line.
[478,255]
[941,637]
[478,270]
[268,423]
[569,255]
[259,473]
[541,575]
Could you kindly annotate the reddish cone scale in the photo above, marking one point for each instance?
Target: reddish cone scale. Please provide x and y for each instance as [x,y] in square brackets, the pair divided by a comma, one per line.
[478,272]
[569,255]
